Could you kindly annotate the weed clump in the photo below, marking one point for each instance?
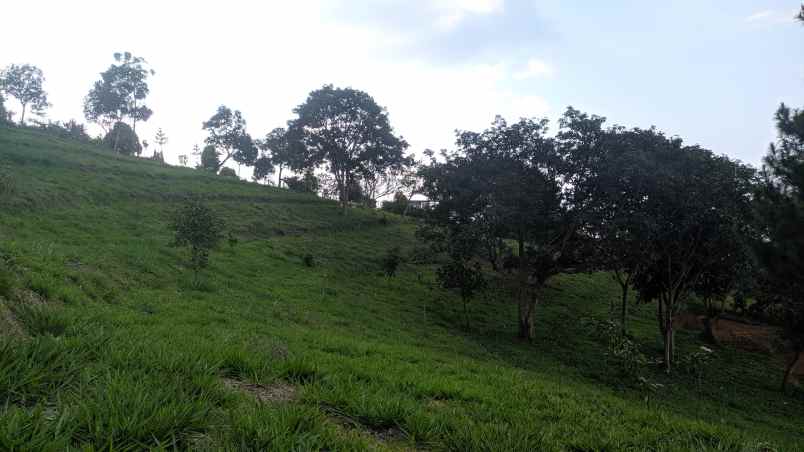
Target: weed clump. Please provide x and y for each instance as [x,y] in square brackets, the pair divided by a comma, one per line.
[391,262]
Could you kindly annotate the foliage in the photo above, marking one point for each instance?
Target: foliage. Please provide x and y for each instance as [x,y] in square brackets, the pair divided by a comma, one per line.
[263,168]
[620,349]
[276,151]
[4,119]
[780,208]
[391,261]
[24,83]
[210,159]
[347,131]
[227,132]
[71,129]
[123,139]
[120,93]
[508,182]
[196,226]
[161,140]
[227,172]
[308,260]
[308,183]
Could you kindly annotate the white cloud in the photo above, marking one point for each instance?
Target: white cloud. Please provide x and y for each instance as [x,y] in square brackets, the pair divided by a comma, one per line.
[535,68]
[452,12]
[772,16]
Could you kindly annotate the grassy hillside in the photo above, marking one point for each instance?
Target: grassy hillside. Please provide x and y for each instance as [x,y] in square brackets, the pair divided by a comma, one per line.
[106,345]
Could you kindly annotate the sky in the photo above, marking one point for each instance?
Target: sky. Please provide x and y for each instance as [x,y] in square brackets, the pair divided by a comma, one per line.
[710,71]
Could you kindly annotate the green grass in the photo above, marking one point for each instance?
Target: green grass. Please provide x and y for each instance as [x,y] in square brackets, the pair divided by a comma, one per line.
[127,354]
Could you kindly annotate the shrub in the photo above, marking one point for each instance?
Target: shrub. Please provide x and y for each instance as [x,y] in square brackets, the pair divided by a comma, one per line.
[391,261]
[227,172]
[199,228]
[308,260]
[620,349]
[123,139]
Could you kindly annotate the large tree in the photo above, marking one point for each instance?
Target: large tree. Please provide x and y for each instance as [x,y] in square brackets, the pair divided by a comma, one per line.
[694,215]
[780,205]
[347,131]
[510,183]
[276,152]
[227,133]
[120,94]
[24,83]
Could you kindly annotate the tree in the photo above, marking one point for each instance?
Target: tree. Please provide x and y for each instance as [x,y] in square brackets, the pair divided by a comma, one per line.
[196,226]
[210,160]
[227,132]
[161,140]
[347,131]
[124,139]
[780,209]
[263,168]
[277,152]
[120,93]
[309,183]
[508,183]
[693,220]
[183,160]
[3,112]
[801,14]
[24,83]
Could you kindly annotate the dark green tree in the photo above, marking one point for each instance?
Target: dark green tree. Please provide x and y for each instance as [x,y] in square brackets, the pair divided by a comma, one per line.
[276,152]
[780,208]
[24,83]
[227,132]
[197,227]
[210,161]
[347,131]
[161,140]
[263,168]
[123,138]
[120,93]
[509,183]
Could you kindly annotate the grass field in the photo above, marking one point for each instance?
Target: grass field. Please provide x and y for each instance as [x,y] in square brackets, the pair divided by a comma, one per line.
[105,343]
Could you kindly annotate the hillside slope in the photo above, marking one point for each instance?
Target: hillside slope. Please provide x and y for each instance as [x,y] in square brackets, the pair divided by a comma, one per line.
[106,345]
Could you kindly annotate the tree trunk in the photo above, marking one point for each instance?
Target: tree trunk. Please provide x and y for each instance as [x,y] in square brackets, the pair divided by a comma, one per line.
[116,139]
[527,326]
[279,182]
[22,116]
[789,369]
[465,314]
[668,349]
[624,309]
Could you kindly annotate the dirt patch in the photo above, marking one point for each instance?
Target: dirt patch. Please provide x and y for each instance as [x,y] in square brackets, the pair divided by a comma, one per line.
[386,435]
[746,336]
[689,321]
[278,392]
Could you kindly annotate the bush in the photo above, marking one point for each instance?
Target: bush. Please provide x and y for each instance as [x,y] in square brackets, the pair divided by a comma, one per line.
[307,184]
[391,261]
[199,228]
[227,172]
[308,260]
[71,130]
[620,349]
[123,139]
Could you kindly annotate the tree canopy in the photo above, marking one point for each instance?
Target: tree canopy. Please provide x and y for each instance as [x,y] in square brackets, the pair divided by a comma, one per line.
[227,133]
[347,131]
[120,93]
[24,83]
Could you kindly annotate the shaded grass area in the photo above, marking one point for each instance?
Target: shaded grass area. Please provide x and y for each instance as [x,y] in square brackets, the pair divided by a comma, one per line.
[125,353]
